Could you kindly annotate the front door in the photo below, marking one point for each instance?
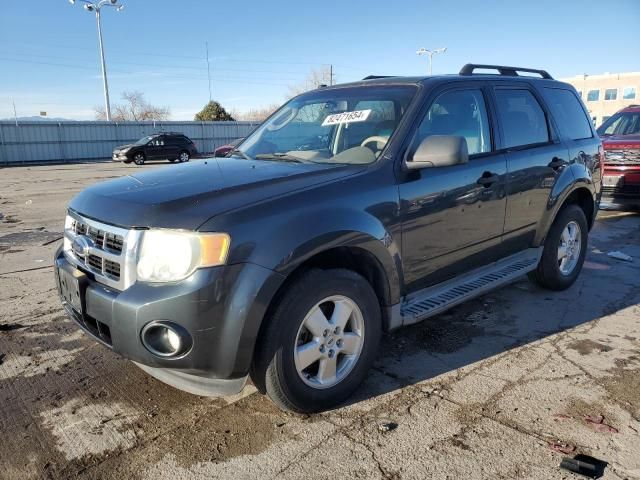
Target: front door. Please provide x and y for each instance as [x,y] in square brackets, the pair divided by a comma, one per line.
[155,148]
[453,217]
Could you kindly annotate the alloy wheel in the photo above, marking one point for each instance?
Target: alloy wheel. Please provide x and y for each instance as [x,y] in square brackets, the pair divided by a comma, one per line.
[569,248]
[329,342]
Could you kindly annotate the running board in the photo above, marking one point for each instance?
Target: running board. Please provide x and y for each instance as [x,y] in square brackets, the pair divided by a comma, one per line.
[441,297]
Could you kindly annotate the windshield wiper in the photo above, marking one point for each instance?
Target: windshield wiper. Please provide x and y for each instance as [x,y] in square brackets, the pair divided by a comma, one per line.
[279,156]
[239,152]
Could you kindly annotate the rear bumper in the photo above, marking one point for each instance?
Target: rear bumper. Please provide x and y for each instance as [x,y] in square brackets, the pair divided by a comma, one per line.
[221,308]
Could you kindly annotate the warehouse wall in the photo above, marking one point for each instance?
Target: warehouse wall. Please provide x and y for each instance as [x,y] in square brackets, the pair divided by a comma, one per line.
[41,142]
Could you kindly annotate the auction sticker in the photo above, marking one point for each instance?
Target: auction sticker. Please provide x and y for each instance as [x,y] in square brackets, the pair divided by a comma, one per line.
[346,117]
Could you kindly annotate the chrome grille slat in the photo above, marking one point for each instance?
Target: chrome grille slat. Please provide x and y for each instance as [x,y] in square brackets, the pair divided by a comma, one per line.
[629,157]
[109,252]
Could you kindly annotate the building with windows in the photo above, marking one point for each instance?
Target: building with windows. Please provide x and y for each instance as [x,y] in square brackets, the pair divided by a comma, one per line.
[605,94]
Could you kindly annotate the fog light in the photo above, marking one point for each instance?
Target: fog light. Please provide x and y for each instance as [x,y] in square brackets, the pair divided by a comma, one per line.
[165,339]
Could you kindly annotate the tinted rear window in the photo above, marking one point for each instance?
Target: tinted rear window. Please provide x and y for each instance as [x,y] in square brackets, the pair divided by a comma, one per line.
[522,118]
[568,113]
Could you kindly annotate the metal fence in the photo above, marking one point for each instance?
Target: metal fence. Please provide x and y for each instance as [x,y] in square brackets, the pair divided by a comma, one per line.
[42,142]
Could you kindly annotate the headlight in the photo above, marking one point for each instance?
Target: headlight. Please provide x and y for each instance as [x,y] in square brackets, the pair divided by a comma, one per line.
[169,256]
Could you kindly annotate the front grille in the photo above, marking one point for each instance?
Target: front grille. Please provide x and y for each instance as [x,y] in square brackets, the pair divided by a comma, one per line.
[622,157]
[95,262]
[100,238]
[621,191]
[101,250]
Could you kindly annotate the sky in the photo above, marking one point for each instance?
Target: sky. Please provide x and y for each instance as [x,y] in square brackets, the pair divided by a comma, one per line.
[49,58]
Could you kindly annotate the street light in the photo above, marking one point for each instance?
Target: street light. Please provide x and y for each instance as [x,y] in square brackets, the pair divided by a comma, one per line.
[95,7]
[431,53]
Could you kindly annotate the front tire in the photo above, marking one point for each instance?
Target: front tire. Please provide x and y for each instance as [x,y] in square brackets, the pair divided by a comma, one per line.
[139,159]
[564,250]
[320,341]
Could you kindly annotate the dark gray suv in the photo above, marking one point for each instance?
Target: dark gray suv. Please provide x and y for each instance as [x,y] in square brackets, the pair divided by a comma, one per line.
[353,210]
[172,146]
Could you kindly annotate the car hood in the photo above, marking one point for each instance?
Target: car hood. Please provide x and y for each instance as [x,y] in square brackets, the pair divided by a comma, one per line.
[124,147]
[186,195]
[613,142]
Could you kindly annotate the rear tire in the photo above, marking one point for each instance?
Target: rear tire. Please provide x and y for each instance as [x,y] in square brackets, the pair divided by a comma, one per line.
[139,159]
[564,250]
[184,156]
[319,342]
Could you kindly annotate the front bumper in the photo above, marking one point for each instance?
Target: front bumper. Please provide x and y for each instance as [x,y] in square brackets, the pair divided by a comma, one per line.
[221,308]
[619,203]
[119,157]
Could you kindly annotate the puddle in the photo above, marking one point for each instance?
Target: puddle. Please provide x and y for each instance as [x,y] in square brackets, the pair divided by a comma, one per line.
[33,237]
[585,347]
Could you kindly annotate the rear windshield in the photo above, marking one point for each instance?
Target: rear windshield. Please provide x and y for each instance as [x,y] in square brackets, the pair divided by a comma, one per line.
[622,123]
[335,125]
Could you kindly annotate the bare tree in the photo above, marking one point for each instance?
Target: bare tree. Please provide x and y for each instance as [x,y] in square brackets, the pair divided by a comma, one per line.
[256,114]
[314,79]
[134,109]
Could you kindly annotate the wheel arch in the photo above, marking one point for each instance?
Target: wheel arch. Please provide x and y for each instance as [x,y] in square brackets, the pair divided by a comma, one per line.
[354,258]
[581,194]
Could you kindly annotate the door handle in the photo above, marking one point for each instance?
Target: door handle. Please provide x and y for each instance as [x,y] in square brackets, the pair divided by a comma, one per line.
[487,179]
[556,163]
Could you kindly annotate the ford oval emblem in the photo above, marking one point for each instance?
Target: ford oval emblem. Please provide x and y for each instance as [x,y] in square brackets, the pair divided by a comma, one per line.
[81,246]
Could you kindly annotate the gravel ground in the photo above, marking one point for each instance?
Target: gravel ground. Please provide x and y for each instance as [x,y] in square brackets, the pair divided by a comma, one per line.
[496,388]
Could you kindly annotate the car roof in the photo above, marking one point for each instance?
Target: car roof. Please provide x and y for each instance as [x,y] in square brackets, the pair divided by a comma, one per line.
[419,80]
[631,108]
[467,72]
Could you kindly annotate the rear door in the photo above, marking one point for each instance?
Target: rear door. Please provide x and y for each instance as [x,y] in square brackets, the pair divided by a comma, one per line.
[535,158]
[453,217]
[172,145]
[575,129]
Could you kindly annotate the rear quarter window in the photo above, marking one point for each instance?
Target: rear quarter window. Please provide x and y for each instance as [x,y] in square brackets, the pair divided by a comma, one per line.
[568,113]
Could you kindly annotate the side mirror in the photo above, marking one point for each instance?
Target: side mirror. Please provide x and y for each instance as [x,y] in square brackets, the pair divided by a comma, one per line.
[439,151]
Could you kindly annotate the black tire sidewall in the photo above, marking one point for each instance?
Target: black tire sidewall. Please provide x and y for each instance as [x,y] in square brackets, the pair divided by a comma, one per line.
[139,162]
[188,156]
[316,286]
[552,276]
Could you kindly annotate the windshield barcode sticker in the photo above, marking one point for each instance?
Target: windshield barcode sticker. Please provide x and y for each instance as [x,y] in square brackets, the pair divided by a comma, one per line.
[346,117]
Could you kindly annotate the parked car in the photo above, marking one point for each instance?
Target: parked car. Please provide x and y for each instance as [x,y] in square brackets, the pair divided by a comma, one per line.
[170,146]
[224,150]
[286,262]
[621,138]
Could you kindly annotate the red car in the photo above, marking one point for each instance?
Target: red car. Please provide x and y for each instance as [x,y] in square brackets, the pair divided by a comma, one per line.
[621,176]
[223,150]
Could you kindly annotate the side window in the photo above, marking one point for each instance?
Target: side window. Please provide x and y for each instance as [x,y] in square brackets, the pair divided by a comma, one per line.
[568,113]
[629,93]
[611,94]
[462,113]
[523,120]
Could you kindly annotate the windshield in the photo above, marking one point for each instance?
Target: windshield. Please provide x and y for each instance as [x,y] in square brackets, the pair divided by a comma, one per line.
[622,123]
[144,140]
[343,125]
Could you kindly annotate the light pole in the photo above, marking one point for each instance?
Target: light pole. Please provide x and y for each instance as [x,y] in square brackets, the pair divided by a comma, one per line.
[96,7]
[431,53]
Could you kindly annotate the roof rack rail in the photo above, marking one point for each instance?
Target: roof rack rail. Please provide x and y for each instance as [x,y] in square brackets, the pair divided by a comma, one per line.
[373,77]
[503,70]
